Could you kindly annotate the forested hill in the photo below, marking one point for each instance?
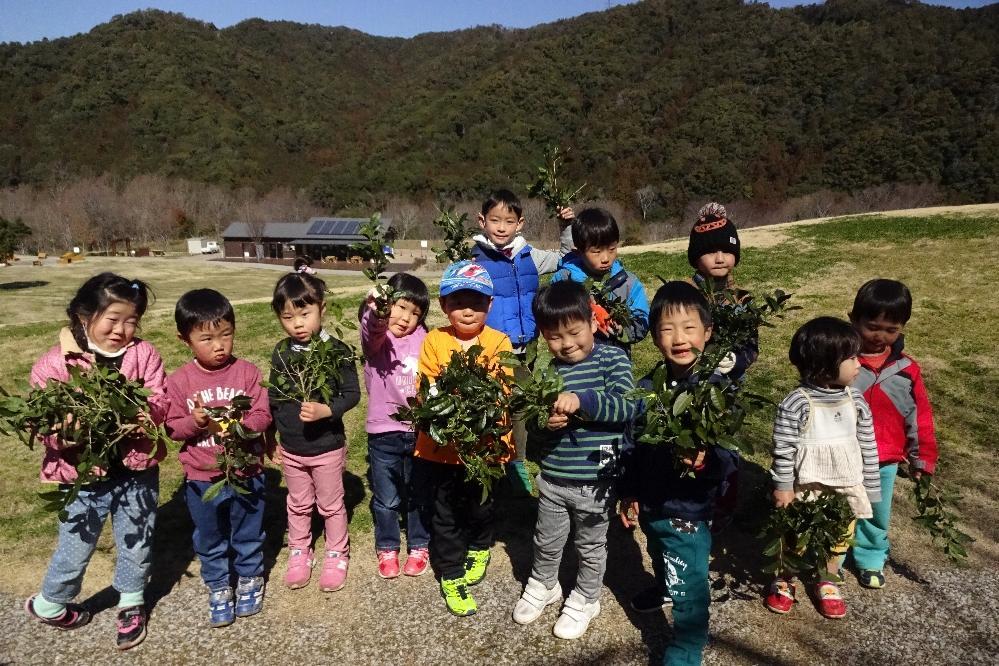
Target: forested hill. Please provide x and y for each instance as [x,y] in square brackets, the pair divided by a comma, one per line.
[690,97]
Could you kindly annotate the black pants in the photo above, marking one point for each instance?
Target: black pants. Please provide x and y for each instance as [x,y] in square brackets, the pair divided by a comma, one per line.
[460,520]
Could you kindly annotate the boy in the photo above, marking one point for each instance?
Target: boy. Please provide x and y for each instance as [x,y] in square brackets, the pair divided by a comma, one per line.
[674,508]
[587,425]
[596,236]
[713,251]
[903,419]
[231,520]
[514,267]
[461,521]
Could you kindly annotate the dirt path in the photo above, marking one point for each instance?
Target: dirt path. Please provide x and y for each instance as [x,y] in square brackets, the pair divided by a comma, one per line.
[774,234]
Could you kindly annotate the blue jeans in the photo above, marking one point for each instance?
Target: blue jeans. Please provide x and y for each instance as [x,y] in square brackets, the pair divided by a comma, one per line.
[231,521]
[394,489]
[131,502]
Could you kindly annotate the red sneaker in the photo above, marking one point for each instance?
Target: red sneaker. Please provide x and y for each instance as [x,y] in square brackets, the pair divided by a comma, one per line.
[780,599]
[417,562]
[829,601]
[388,563]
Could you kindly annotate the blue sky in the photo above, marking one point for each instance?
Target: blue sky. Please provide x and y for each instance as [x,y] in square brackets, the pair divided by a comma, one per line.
[30,20]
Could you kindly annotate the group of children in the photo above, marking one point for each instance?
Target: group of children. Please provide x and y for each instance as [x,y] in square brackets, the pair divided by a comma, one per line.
[860,410]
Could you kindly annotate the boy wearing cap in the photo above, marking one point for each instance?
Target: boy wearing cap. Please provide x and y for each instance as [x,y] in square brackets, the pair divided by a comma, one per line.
[461,521]
[713,251]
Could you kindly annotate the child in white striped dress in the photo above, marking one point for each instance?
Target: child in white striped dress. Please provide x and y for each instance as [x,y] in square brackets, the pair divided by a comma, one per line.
[824,442]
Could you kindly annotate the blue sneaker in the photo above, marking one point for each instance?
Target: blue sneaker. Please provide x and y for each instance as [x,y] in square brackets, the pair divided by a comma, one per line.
[249,596]
[220,608]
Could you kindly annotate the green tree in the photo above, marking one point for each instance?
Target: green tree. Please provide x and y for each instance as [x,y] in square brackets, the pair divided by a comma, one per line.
[12,232]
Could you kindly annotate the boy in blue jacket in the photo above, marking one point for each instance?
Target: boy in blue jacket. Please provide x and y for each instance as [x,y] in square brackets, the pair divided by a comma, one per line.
[673,508]
[514,267]
[596,236]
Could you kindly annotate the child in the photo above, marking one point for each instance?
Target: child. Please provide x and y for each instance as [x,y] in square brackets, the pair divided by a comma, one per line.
[462,520]
[577,474]
[514,267]
[596,236]
[892,384]
[713,251]
[673,507]
[231,520]
[103,317]
[824,442]
[313,441]
[391,347]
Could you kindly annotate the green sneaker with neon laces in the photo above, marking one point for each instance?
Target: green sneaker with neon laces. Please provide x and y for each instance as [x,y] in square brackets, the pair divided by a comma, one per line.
[457,597]
[475,566]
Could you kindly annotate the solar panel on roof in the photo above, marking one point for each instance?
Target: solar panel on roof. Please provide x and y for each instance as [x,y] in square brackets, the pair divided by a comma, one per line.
[314,228]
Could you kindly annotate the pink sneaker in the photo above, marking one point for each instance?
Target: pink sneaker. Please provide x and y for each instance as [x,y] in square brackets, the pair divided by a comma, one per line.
[417,561]
[334,575]
[300,563]
[388,563]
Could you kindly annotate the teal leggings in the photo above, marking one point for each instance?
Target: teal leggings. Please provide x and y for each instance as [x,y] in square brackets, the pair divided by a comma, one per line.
[870,550]
[680,550]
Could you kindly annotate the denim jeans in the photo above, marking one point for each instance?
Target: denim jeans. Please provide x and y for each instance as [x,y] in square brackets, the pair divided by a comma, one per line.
[231,521]
[394,490]
[131,502]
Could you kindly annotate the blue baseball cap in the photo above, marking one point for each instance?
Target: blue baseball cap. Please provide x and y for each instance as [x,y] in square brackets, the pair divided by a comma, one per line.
[466,275]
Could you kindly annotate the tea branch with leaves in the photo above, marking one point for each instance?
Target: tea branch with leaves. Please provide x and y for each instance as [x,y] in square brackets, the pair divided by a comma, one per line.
[533,396]
[456,236]
[547,187]
[934,513]
[374,251]
[614,315]
[311,374]
[230,434]
[466,408]
[92,413]
[800,538]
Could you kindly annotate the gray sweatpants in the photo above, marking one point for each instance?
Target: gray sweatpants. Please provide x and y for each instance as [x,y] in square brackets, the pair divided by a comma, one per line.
[588,507]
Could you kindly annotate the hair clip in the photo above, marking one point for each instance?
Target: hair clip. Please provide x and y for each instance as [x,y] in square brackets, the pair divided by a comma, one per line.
[135,286]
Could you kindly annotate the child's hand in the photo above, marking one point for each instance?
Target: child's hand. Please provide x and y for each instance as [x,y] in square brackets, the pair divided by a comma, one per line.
[201,418]
[557,421]
[371,299]
[314,411]
[697,463]
[915,474]
[628,510]
[566,214]
[783,497]
[565,404]
[726,364]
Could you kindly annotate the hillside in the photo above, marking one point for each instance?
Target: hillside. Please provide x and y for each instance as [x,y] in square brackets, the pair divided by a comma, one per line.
[692,98]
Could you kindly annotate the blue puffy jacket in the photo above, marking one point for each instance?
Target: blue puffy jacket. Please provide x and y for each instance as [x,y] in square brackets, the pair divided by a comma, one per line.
[515,282]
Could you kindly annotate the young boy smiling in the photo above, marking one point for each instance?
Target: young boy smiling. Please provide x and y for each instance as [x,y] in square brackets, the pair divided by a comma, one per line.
[596,236]
[586,426]
[673,507]
[232,521]
[461,520]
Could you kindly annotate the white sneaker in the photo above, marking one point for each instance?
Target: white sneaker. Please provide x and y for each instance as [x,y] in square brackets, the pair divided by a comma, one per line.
[533,601]
[575,618]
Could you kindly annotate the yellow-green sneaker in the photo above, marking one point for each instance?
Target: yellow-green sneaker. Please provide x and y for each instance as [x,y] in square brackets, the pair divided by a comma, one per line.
[459,601]
[475,566]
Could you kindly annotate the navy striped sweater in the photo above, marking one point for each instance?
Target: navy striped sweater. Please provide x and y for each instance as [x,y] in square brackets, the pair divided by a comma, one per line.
[588,449]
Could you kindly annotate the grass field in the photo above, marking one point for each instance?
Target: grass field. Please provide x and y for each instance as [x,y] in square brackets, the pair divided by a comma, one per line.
[945,260]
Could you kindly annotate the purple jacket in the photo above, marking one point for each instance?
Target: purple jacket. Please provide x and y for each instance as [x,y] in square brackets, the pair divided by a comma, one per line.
[141,361]
[390,366]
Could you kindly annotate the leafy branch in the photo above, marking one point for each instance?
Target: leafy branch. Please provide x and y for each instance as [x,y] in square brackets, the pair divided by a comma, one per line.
[532,397]
[614,316]
[467,409]
[456,236]
[802,536]
[307,375]
[737,317]
[373,251]
[555,195]
[91,413]
[934,514]
[232,437]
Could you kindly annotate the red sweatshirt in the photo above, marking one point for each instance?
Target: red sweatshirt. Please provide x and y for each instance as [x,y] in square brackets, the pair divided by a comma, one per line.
[216,388]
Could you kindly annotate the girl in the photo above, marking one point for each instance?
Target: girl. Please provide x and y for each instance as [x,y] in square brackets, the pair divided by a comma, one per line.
[391,347]
[103,318]
[313,442]
[824,442]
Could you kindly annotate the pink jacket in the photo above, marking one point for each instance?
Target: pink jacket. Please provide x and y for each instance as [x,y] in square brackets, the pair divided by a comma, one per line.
[141,361]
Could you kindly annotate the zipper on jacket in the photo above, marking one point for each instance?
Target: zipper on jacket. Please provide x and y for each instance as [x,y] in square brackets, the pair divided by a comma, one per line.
[520,316]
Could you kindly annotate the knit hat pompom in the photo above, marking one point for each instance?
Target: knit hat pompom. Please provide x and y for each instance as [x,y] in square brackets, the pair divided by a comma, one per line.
[713,232]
